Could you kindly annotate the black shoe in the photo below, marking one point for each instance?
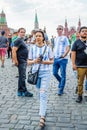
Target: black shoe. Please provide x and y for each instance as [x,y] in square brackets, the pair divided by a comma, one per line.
[79,99]
[2,66]
[59,94]
[76,90]
[27,94]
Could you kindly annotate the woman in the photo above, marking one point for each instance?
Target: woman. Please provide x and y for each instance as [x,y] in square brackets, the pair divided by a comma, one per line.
[44,73]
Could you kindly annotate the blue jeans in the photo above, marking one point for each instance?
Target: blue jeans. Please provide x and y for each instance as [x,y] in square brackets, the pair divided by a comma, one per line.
[22,77]
[86,84]
[60,64]
[42,88]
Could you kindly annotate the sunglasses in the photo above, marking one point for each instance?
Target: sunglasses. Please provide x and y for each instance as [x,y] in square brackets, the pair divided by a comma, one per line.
[59,29]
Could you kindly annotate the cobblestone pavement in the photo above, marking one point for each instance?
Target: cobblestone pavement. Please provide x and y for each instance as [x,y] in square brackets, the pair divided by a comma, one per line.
[21,113]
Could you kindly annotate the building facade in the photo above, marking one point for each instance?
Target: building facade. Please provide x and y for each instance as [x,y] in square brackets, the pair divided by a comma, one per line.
[3,24]
[67,31]
[70,31]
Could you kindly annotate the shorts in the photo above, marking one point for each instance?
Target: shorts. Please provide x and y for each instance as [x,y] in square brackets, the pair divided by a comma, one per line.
[2,51]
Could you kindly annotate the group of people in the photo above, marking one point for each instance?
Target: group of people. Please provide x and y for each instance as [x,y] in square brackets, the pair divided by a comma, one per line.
[58,57]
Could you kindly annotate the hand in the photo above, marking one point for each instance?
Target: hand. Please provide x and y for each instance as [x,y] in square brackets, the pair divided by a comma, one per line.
[61,56]
[37,61]
[16,63]
[74,67]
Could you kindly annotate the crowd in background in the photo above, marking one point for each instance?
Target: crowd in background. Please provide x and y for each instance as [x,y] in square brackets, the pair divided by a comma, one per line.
[26,50]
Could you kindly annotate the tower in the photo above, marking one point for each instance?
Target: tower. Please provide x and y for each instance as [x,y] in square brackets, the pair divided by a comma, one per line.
[66,28]
[36,24]
[79,25]
[3,23]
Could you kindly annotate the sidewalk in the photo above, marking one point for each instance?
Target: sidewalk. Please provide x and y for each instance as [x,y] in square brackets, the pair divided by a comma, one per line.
[21,113]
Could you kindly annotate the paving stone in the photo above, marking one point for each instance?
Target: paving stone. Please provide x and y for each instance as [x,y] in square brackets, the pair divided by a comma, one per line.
[68,129]
[29,127]
[4,128]
[10,126]
[22,113]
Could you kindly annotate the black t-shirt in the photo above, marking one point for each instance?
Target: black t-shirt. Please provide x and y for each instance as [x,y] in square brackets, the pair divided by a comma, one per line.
[81,53]
[10,41]
[22,52]
[3,42]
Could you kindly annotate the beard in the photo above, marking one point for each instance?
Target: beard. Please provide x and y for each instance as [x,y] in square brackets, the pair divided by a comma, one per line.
[83,37]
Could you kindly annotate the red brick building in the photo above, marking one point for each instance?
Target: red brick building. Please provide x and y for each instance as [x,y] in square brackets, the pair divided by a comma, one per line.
[3,23]
[69,31]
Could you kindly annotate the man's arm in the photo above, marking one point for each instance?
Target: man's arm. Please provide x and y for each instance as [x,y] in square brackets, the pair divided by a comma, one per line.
[73,58]
[14,55]
[66,52]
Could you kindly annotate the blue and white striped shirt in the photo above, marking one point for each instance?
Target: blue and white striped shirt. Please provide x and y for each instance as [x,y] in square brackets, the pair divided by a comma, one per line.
[35,52]
[60,44]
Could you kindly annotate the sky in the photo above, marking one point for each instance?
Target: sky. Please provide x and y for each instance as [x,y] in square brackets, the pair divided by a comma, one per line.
[50,13]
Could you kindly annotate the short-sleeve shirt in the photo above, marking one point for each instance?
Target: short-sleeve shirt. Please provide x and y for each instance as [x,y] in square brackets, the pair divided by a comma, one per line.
[22,52]
[60,44]
[3,42]
[35,52]
[81,53]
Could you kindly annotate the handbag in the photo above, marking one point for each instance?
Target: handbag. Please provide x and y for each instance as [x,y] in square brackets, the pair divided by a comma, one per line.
[33,77]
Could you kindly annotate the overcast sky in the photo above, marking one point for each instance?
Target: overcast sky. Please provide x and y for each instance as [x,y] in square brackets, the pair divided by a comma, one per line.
[50,13]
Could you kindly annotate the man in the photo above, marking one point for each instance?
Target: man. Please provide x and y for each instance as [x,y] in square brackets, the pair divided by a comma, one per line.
[52,42]
[61,49]
[79,60]
[3,47]
[9,50]
[75,71]
[20,55]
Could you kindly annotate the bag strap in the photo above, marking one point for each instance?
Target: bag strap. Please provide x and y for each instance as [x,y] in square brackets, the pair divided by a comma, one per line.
[42,55]
[44,50]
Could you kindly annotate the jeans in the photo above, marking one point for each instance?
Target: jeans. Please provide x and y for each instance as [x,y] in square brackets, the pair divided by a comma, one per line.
[76,77]
[42,88]
[60,64]
[86,84]
[22,77]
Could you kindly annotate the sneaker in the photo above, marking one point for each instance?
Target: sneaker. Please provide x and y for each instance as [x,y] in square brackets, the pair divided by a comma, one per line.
[79,99]
[27,94]
[85,93]
[19,93]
